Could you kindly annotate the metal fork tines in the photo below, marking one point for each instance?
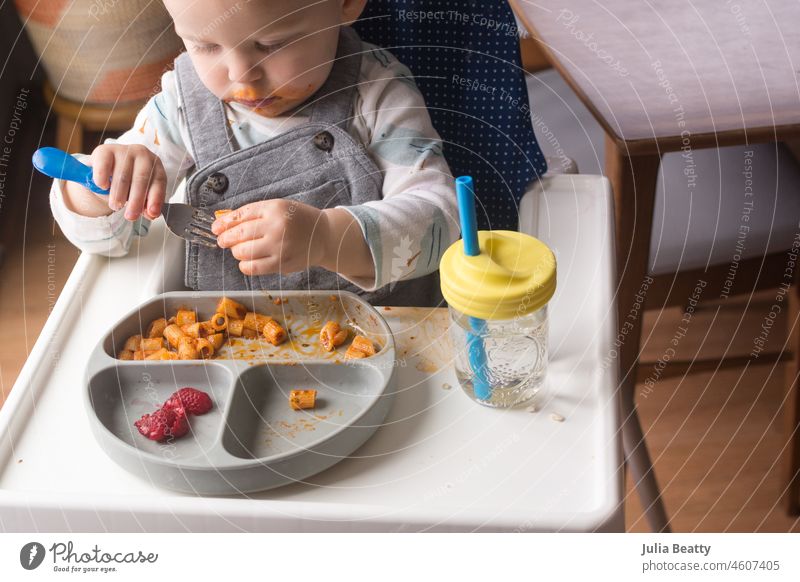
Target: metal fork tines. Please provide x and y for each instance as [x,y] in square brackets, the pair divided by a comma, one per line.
[190,223]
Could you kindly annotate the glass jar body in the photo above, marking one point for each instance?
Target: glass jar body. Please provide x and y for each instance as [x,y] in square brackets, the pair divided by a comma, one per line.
[500,363]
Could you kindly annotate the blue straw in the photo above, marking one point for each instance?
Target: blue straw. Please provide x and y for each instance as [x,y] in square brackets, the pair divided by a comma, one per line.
[465,193]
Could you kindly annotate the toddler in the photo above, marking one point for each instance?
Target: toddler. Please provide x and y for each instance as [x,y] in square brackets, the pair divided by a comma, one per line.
[320,143]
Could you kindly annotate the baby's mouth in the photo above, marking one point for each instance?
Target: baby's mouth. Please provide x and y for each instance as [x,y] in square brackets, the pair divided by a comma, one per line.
[249,100]
[256,103]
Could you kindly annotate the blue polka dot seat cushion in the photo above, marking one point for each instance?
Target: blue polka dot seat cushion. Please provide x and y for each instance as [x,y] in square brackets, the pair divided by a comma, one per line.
[465,58]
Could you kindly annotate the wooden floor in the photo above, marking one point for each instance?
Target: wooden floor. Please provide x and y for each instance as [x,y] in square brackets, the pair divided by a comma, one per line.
[715,436]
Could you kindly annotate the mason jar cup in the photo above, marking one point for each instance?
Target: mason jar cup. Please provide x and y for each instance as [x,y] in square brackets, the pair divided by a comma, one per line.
[498,315]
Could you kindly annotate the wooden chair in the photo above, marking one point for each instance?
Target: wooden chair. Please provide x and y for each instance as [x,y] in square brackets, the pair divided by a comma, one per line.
[73,118]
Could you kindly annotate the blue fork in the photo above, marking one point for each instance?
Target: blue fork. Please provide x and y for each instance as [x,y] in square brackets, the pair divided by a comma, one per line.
[186,221]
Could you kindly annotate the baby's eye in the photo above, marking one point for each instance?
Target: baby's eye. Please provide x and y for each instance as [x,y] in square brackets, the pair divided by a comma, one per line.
[269,48]
[205,48]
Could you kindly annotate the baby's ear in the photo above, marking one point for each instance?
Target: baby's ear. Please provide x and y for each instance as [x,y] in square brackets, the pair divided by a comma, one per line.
[351,10]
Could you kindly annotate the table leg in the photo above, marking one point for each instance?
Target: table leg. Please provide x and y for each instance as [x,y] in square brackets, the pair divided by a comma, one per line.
[633,179]
[792,408]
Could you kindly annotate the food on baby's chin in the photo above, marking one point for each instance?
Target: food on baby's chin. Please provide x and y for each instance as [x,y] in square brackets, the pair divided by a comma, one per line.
[171,420]
[332,336]
[184,338]
[302,399]
[360,348]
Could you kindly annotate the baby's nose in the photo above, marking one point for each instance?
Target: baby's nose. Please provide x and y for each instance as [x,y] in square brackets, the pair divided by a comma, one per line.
[243,71]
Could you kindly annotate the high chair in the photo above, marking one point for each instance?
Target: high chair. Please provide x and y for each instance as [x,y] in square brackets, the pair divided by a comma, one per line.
[441,463]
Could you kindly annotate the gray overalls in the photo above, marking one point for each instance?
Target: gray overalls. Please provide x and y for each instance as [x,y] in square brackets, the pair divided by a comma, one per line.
[316,163]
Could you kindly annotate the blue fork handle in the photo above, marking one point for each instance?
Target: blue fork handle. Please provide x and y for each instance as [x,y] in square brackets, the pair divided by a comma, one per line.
[60,165]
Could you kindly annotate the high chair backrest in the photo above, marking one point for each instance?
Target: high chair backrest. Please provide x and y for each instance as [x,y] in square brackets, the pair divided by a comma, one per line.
[465,58]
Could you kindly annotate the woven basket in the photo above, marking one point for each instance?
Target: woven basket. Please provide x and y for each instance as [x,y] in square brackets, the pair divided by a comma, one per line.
[101,51]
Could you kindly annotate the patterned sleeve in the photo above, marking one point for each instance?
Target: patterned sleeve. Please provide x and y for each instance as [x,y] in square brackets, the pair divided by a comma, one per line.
[417,219]
[159,127]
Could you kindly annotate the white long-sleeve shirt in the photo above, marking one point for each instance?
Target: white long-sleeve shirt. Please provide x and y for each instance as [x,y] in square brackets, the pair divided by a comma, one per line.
[407,231]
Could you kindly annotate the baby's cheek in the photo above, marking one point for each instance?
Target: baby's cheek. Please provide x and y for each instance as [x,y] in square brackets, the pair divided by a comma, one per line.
[297,92]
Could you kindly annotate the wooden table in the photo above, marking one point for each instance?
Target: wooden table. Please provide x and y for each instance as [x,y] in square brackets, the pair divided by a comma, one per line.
[674,76]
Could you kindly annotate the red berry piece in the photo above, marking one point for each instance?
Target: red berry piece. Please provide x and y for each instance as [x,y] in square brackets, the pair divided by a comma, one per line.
[163,424]
[193,400]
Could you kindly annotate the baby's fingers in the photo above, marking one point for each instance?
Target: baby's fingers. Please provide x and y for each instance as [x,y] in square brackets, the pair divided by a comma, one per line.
[246,231]
[157,191]
[143,174]
[102,162]
[248,212]
[120,185]
[263,266]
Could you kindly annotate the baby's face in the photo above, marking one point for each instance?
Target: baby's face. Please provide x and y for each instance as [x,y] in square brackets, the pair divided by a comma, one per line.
[268,55]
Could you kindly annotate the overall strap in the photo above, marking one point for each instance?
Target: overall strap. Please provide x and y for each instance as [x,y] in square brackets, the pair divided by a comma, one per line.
[332,104]
[205,116]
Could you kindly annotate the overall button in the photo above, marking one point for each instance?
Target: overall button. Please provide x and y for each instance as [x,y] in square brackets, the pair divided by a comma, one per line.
[324,141]
[217,183]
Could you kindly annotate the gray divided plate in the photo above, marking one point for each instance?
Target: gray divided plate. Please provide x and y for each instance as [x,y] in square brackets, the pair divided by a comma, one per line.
[251,440]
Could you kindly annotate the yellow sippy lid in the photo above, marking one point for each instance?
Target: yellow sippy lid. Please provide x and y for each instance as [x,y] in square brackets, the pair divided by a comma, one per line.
[514,274]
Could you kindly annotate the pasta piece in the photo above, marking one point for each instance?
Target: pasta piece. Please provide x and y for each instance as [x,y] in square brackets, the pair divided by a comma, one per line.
[187,350]
[302,399]
[174,335]
[161,354]
[156,328]
[235,327]
[256,321]
[185,317]
[360,348]
[142,354]
[191,329]
[249,333]
[274,333]
[198,330]
[218,323]
[132,343]
[216,340]
[204,348]
[152,344]
[233,309]
[126,355]
[218,213]
[331,336]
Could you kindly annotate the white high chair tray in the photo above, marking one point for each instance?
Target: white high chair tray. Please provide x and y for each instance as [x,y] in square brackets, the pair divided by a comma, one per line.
[439,463]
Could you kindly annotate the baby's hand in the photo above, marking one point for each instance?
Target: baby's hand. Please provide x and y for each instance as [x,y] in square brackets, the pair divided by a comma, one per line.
[274,236]
[139,181]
